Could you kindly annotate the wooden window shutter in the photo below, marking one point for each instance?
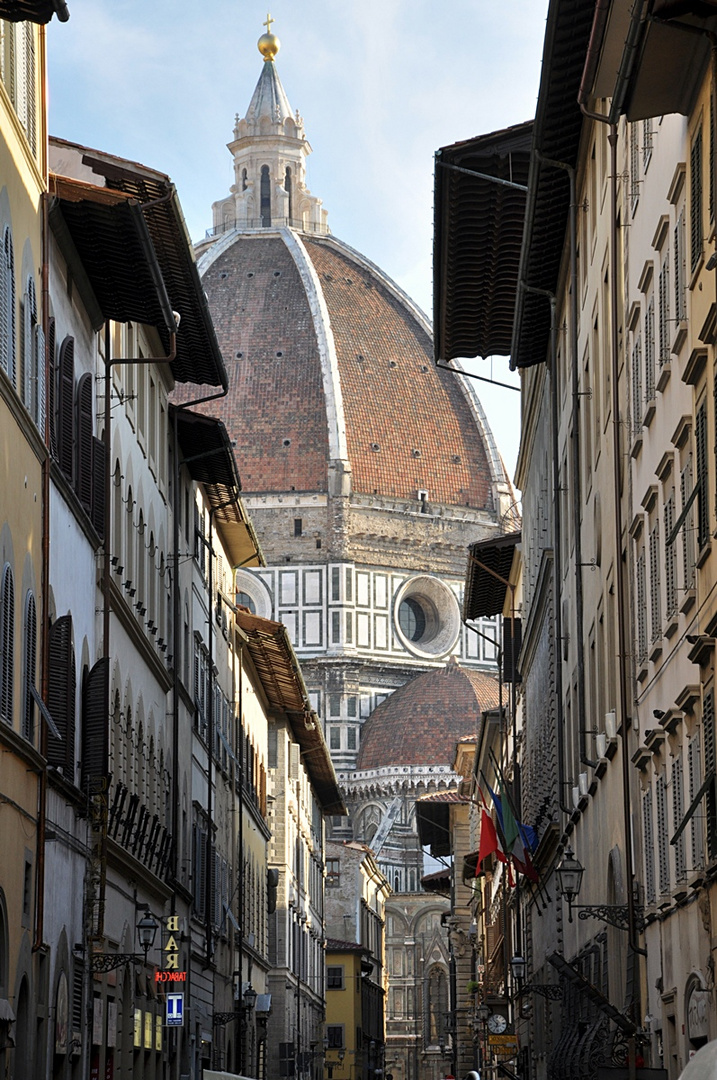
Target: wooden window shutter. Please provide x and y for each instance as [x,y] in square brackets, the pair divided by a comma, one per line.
[703,523]
[83,472]
[662,835]
[7,644]
[710,761]
[51,387]
[30,660]
[4,306]
[61,697]
[99,493]
[38,345]
[95,722]
[696,229]
[678,812]
[65,417]
[649,841]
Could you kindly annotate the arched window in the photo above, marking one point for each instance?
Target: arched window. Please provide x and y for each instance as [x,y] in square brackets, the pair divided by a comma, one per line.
[7,643]
[244,180]
[129,538]
[437,1007]
[52,383]
[30,667]
[61,697]
[288,187]
[26,89]
[65,408]
[141,561]
[7,305]
[152,603]
[116,740]
[265,194]
[33,358]
[117,517]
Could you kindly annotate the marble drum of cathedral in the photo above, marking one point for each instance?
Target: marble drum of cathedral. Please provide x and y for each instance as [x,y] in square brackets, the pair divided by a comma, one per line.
[366,469]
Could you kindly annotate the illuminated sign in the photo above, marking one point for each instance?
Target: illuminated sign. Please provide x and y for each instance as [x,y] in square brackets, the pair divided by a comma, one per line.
[170,976]
[170,948]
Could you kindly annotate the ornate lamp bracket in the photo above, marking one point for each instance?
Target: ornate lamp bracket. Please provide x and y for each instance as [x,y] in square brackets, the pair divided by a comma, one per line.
[101,963]
[615,914]
[546,990]
[221,1018]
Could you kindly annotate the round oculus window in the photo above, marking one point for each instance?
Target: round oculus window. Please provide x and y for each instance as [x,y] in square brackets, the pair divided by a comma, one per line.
[426,617]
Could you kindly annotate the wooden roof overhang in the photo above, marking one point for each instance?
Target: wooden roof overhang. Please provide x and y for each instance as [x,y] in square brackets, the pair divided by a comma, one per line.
[126,240]
[278,669]
[479,209]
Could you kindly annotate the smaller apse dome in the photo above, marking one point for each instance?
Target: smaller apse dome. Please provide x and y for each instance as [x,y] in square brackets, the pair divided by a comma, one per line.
[421,722]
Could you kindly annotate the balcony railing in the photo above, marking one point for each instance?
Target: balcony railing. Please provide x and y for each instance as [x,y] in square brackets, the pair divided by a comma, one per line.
[258,223]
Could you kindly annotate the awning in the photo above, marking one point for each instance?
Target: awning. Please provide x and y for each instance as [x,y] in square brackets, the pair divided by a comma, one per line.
[7,1016]
[479,209]
[276,665]
[209,458]
[558,124]
[106,221]
[487,574]
[649,65]
[36,11]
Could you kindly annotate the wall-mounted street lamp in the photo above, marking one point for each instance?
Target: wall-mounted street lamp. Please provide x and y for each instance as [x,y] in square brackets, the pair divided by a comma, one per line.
[570,876]
[519,967]
[147,927]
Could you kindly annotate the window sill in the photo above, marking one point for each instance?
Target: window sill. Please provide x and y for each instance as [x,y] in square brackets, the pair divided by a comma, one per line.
[703,555]
[670,626]
[636,447]
[663,376]
[649,412]
[688,601]
[641,671]
[655,651]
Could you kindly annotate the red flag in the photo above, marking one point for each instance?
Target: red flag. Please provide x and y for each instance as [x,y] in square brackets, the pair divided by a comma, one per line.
[489,844]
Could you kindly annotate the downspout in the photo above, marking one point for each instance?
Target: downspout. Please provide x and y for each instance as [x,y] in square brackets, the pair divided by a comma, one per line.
[575,452]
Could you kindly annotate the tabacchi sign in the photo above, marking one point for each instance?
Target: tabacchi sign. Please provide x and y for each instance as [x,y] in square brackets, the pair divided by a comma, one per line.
[170,948]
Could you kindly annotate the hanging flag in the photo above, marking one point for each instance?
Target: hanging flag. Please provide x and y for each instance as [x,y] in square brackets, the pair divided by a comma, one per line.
[489,843]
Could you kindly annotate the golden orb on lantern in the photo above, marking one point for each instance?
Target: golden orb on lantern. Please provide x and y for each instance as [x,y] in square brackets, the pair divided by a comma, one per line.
[268,44]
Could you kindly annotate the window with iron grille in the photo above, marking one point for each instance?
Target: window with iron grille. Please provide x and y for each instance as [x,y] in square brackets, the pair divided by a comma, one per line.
[663,325]
[702,495]
[663,854]
[641,621]
[648,830]
[697,833]
[637,402]
[678,812]
[696,229]
[655,599]
[680,268]
[708,743]
[670,558]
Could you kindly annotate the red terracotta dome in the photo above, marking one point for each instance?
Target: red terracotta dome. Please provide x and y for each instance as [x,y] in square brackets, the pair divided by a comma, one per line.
[331,372]
[421,722]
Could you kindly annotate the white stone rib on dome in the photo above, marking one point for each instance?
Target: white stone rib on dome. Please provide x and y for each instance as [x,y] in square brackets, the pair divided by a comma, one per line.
[338,450]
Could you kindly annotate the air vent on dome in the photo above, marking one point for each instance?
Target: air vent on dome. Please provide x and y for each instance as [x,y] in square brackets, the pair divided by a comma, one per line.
[375,447]
[286,442]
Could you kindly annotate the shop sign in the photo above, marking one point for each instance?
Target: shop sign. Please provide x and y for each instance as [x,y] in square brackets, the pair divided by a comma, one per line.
[698,1014]
[505,1042]
[170,948]
[175,1010]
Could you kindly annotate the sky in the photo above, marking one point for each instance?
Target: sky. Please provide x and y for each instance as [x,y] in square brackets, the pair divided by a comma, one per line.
[381,85]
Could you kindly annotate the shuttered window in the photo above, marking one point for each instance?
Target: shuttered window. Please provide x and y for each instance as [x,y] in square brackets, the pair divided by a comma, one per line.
[7,644]
[95,723]
[663,855]
[710,761]
[678,812]
[703,523]
[655,577]
[641,608]
[33,358]
[680,269]
[663,325]
[65,407]
[647,826]
[61,697]
[7,305]
[688,529]
[650,349]
[697,833]
[638,404]
[52,383]
[83,473]
[98,486]
[696,228]
[29,667]
[199,875]
[670,558]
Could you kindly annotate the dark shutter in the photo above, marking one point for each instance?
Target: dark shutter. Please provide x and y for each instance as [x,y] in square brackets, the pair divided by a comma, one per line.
[95,723]
[272,885]
[703,523]
[98,487]
[7,645]
[710,760]
[83,475]
[512,641]
[28,719]
[52,384]
[61,697]
[65,412]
